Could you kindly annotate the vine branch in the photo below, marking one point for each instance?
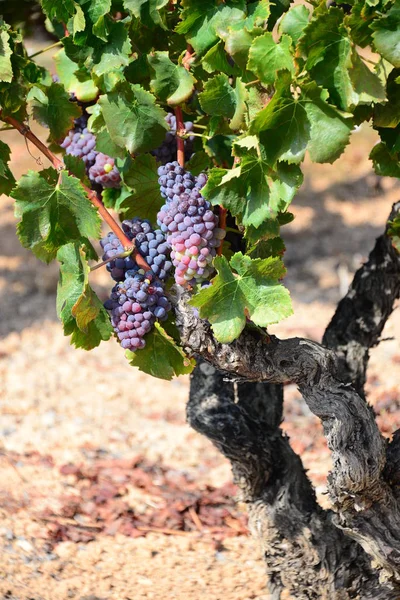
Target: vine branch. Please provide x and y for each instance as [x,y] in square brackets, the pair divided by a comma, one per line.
[361,315]
[58,164]
[59,43]
[360,483]
[303,550]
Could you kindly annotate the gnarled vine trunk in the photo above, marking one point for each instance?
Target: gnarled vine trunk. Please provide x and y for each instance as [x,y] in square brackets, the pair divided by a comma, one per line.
[354,550]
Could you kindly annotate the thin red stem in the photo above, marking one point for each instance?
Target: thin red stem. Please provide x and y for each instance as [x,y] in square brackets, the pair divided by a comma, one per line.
[58,164]
[180,142]
[178,114]
[187,59]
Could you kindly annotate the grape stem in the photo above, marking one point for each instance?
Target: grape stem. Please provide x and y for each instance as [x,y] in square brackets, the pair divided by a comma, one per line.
[59,165]
[180,142]
[180,127]
[59,43]
[200,135]
[251,82]
[189,57]
[105,262]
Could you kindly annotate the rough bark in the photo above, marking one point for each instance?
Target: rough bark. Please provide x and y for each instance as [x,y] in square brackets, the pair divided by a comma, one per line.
[263,402]
[361,315]
[304,551]
[305,548]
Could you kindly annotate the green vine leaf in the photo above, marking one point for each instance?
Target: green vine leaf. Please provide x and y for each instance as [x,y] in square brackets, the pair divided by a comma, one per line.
[252,291]
[52,108]
[253,190]
[78,20]
[218,97]
[289,125]
[267,248]
[61,11]
[145,200]
[6,72]
[204,22]
[386,34]
[85,90]
[257,14]
[76,167]
[333,62]
[366,84]
[359,20]
[80,310]
[266,57]
[53,211]
[133,119]
[76,52]
[216,59]
[7,180]
[96,10]
[113,54]
[161,357]
[268,230]
[241,96]
[198,163]
[388,114]
[238,42]
[295,21]
[148,11]
[386,163]
[172,83]
[394,232]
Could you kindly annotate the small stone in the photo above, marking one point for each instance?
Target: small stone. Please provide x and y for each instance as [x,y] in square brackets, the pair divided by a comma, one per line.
[25,545]
[65,549]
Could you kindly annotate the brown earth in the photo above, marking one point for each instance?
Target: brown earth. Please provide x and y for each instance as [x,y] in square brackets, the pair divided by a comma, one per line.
[105,491]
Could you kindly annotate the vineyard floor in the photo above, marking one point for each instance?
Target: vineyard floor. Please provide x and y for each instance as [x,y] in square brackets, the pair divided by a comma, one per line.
[96,458]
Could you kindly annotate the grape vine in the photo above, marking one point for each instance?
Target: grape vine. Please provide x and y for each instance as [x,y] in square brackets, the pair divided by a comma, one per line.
[184,117]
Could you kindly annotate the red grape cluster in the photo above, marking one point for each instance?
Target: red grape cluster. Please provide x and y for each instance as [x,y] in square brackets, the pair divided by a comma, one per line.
[189,224]
[81,143]
[104,172]
[135,305]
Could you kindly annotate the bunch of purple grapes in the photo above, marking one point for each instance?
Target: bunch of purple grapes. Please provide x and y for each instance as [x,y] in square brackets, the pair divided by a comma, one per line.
[81,142]
[189,223]
[149,243]
[167,152]
[104,172]
[135,305]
